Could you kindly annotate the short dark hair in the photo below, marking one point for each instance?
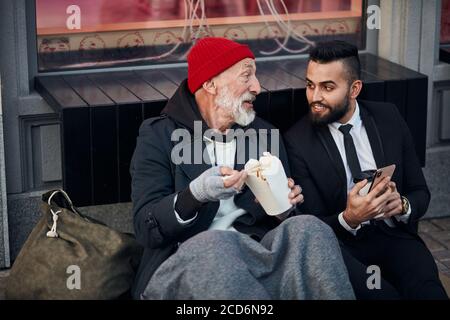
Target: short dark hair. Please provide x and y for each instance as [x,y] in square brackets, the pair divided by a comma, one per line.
[337,50]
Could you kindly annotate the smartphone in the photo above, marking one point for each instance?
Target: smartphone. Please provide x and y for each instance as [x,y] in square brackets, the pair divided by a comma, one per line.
[380,174]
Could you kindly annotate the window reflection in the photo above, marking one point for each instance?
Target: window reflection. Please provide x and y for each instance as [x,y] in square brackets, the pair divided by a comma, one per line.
[445,22]
[131,32]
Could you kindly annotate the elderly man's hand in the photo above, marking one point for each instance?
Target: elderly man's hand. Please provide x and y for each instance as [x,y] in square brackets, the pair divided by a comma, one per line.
[233,178]
[217,183]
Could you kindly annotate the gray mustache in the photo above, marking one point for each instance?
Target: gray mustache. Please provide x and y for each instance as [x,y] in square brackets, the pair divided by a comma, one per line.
[248,97]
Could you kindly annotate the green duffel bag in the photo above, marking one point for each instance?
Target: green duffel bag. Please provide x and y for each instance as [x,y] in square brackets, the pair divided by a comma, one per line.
[71,256]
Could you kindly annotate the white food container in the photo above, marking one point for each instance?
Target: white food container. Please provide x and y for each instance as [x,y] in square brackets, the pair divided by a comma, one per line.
[268,182]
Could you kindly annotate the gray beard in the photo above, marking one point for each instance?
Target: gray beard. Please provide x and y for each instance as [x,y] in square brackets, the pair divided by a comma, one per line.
[241,116]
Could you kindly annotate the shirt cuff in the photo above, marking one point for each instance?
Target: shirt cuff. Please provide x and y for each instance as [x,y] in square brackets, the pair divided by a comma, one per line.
[346,226]
[404,217]
[181,221]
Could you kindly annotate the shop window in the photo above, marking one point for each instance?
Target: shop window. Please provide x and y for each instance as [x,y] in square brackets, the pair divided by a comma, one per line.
[444,52]
[81,34]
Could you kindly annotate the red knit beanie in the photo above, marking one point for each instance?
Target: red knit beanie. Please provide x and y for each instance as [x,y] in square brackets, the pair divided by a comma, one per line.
[211,56]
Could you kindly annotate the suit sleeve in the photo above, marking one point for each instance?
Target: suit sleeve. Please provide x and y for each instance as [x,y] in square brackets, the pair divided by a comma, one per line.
[287,168]
[414,188]
[314,203]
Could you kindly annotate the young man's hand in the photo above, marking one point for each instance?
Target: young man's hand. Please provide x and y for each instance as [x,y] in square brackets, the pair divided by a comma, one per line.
[394,205]
[295,196]
[363,208]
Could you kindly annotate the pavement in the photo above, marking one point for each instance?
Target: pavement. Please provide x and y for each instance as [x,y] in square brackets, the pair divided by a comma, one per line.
[435,233]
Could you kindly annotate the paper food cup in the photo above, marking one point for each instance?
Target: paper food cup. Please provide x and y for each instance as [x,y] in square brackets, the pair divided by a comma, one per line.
[268,182]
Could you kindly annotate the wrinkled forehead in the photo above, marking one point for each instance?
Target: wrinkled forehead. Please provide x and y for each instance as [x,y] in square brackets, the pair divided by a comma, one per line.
[247,64]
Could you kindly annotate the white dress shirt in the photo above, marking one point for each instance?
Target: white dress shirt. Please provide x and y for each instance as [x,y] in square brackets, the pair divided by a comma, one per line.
[365,157]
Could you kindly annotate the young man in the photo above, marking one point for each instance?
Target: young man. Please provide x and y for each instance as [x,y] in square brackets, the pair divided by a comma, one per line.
[340,139]
[206,237]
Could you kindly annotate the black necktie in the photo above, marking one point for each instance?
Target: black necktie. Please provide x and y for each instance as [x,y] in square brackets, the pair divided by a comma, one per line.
[350,151]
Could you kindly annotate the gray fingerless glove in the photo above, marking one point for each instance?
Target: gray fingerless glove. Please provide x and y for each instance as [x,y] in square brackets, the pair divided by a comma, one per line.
[209,186]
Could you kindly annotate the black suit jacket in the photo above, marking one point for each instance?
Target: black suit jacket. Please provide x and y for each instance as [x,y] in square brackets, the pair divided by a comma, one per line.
[318,167]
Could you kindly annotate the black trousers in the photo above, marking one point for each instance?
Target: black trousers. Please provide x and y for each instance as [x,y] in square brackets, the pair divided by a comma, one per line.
[407,268]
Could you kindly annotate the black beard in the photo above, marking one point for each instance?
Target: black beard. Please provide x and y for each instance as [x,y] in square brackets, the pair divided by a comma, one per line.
[333,116]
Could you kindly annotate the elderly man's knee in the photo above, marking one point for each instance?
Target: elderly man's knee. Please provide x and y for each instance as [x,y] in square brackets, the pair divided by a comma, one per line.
[206,242]
[309,224]
[209,237]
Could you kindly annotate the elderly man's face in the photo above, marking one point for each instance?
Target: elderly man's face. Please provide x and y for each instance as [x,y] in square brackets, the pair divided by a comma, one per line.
[237,88]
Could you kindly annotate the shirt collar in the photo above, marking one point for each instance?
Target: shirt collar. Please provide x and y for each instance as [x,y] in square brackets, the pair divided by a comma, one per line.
[355,120]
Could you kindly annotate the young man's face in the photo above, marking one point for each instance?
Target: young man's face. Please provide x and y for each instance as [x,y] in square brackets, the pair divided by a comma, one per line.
[327,91]
[237,89]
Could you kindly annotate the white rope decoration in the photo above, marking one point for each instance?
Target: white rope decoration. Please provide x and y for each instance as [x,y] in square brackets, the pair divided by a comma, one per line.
[286,27]
[53,233]
[189,34]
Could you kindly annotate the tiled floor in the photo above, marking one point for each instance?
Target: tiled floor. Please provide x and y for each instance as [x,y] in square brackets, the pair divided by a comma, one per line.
[435,233]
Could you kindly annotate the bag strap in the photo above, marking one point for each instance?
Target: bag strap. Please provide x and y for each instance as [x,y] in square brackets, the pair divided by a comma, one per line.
[66,196]
[52,233]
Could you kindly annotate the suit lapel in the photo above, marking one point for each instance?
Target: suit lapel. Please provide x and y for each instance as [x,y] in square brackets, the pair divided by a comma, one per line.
[373,133]
[374,137]
[336,188]
[333,153]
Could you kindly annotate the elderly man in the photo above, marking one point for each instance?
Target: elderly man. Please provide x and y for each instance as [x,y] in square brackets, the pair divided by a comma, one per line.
[205,235]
